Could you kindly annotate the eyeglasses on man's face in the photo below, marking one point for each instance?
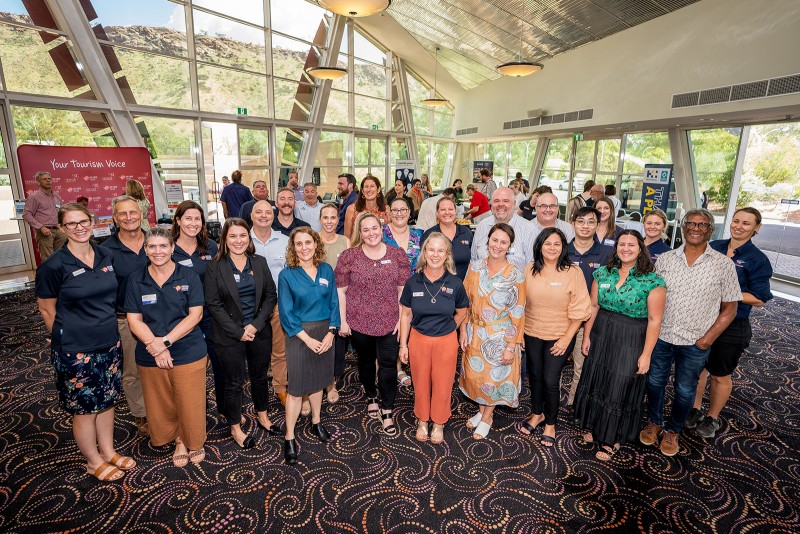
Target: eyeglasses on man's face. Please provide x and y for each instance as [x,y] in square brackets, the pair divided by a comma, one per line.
[691,225]
[547,206]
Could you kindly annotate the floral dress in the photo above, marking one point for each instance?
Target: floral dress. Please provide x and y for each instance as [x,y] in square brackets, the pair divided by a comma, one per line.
[414,243]
[496,318]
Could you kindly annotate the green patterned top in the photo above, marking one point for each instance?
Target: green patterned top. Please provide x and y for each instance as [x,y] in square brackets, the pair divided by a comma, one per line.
[631,298]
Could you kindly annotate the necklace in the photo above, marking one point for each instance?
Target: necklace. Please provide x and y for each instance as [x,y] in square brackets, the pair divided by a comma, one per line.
[433,297]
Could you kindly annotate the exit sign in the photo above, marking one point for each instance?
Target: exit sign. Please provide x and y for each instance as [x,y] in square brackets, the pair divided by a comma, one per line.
[578,137]
[241,111]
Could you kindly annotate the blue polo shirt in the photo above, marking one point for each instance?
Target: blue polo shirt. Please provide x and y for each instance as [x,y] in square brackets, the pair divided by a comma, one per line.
[234,195]
[753,270]
[351,199]
[85,310]
[163,307]
[462,247]
[286,230]
[595,257]
[434,319]
[126,262]
[657,248]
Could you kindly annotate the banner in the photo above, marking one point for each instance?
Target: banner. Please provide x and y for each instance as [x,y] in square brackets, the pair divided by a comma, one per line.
[655,189]
[404,170]
[477,165]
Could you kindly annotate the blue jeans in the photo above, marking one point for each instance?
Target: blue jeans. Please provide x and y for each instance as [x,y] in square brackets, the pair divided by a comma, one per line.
[689,361]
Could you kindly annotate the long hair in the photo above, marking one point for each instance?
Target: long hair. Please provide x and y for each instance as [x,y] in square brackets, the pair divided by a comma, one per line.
[361,201]
[562,263]
[644,264]
[292,260]
[357,240]
[223,239]
[202,235]
[135,189]
[611,226]
[449,264]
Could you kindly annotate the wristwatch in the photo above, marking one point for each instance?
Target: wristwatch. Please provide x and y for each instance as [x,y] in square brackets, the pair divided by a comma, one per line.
[333,330]
[167,342]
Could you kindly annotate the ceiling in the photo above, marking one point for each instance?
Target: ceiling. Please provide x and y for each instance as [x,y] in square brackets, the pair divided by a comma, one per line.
[475,36]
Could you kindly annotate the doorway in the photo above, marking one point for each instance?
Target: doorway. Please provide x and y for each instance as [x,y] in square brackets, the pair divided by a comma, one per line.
[15,245]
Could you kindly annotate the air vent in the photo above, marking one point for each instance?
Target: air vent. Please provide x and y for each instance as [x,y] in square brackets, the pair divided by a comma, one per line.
[715,96]
[467,131]
[544,120]
[749,90]
[507,125]
[784,86]
[585,114]
[571,116]
[558,118]
[685,100]
[744,91]
[547,119]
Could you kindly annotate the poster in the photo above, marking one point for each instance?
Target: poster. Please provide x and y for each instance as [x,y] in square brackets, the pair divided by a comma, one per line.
[404,170]
[656,186]
[174,192]
[477,165]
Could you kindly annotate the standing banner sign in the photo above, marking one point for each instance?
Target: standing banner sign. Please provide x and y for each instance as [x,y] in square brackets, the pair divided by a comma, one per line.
[656,186]
[174,192]
[404,170]
[477,165]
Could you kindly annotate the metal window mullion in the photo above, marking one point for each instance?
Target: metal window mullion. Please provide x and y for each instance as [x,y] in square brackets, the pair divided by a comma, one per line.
[191,50]
[736,180]
[268,59]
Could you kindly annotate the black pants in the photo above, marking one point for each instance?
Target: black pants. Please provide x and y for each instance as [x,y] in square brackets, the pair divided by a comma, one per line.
[544,375]
[385,349]
[256,356]
[216,367]
[339,351]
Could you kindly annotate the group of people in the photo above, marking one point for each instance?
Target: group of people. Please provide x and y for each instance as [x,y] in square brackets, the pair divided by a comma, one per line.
[145,311]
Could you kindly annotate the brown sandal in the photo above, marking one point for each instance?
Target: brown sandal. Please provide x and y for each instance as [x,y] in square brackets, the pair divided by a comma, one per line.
[126,463]
[606,453]
[197,456]
[106,472]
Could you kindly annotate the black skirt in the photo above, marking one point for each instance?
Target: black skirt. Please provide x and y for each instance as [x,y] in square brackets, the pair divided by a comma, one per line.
[610,397]
[307,371]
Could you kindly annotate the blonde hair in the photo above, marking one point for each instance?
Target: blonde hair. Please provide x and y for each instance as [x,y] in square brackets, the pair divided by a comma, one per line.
[449,264]
[356,240]
[661,215]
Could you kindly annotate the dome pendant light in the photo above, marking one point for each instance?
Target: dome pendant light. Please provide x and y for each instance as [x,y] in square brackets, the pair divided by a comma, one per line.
[355,8]
[520,68]
[434,102]
[326,73]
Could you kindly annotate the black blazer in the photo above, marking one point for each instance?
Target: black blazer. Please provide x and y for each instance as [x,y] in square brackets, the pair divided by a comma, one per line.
[222,301]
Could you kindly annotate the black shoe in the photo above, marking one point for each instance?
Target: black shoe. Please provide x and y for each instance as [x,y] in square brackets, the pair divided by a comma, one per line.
[274,430]
[695,418]
[318,430]
[248,442]
[708,428]
[290,451]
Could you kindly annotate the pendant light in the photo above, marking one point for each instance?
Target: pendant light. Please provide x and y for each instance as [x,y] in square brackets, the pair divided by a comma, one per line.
[326,73]
[520,68]
[434,102]
[355,8]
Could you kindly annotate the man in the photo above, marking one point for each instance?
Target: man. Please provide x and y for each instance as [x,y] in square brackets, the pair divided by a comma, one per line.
[348,190]
[272,246]
[547,217]
[127,247]
[260,192]
[588,253]
[503,210]
[581,200]
[479,208]
[489,185]
[427,212]
[611,192]
[415,194]
[526,186]
[234,195]
[596,193]
[285,222]
[308,209]
[702,296]
[41,213]
[294,185]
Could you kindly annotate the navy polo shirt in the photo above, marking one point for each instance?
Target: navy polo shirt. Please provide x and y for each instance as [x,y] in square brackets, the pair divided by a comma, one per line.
[246,284]
[657,248]
[753,270]
[196,261]
[595,257]
[126,262]
[434,319]
[286,230]
[234,195]
[85,310]
[462,247]
[162,308]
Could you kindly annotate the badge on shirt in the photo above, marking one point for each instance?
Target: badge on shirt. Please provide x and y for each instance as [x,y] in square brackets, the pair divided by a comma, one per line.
[417,294]
[605,286]
[183,288]
[608,242]
[511,252]
[323,282]
[740,263]
[78,272]
[447,290]
[386,262]
[594,265]
[107,269]
[464,242]
[237,278]
[280,257]
[149,299]
[207,257]
[555,283]
[577,263]
[187,262]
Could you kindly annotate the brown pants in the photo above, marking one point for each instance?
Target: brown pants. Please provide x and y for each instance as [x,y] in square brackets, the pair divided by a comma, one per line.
[279,376]
[433,366]
[176,403]
[131,383]
[48,243]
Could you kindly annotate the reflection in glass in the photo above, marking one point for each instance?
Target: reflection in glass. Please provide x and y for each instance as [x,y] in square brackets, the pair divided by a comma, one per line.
[225,42]
[225,90]
[332,150]
[170,141]
[289,144]
[292,100]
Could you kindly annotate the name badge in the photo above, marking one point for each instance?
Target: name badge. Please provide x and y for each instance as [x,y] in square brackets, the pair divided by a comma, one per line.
[149,299]
[323,282]
[280,257]
[207,257]
[448,290]
[107,269]
[555,283]
[386,262]
[465,242]
[101,232]
[511,252]
[608,242]
[605,286]
[237,278]
[577,263]
[417,294]
[187,262]
[184,288]
[78,272]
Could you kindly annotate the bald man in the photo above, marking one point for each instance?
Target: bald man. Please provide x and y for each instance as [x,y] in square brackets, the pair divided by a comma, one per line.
[504,209]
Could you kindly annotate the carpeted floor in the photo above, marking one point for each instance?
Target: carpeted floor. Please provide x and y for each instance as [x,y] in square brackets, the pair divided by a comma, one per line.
[745,480]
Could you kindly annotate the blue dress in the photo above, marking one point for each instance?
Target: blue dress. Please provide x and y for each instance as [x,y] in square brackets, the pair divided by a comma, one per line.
[414,244]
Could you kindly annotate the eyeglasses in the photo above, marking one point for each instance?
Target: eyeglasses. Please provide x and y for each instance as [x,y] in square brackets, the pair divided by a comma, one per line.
[586,222]
[691,225]
[401,211]
[86,223]
[547,206]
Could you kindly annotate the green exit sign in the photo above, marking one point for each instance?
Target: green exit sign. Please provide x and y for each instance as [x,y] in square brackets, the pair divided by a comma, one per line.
[374,126]
[578,137]
[241,111]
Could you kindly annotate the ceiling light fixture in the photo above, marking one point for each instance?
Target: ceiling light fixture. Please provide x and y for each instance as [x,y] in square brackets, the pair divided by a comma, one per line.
[326,73]
[520,68]
[435,101]
[355,8]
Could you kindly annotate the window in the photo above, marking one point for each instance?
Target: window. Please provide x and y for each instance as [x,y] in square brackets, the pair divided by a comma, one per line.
[172,147]
[555,172]
[45,126]
[224,90]
[641,149]
[225,42]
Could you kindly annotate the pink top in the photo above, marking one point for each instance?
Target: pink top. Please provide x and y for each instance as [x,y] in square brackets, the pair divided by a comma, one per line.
[372,296]
[41,209]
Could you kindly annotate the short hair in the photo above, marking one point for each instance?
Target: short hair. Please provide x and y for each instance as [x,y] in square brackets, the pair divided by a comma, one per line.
[449,263]
[644,264]
[292,260]
[610,190]
[259,182]
[485,172]
[518,176]
[72,206]
[236,175]
[309,184]
[350,179]
[450,191]
[470,187]
[583,211]
[123,198]
[156,232]
[587,185]
[202,235]
[81,199]
[416,181]
[222,252]
[356,240]
[329,206]
[502,227]
[285,190]
[699,211]
[542,189]
[40,174]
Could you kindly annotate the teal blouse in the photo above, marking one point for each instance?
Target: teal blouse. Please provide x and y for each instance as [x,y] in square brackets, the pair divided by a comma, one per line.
[631,298]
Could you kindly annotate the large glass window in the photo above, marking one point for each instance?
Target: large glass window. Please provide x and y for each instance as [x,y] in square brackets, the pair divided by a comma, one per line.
[155,25]
[224,90]
[152,80]
[225,42]
[45,126]
[292,17]
[521,154]
[555,172]
[252,12]
[337,112]
[173,149]
[641,149]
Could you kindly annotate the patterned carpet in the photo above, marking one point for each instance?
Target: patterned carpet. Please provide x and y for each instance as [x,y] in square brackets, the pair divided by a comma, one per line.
[746,480]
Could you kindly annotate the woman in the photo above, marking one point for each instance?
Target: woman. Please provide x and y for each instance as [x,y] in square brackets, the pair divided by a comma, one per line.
[335,244]
[425,186]
[492,336]
[527,208]
[370,277]
[556,305]
[460,236]
[135,189]
[240,296]
[627,305]
[399,191]
[754,272]
[458,186]
[309,311]
[164,303]
[607,230]
[195,250]
[76,292]
[370,199]
[519,196]
[655,224]
[432,306]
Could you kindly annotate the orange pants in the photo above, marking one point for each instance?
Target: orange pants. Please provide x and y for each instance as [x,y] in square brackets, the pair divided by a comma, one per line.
[433,367]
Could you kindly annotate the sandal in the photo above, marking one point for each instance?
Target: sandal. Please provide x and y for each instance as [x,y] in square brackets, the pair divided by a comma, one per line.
[125,463]
[106,472]
[403,378]
[333,395]
[474,421]
[180,460]
[527,429]
[437,434]
[548,441]
[422,431]
[482,430]
[373,412]
[606,453]
[197,456]
[390,429]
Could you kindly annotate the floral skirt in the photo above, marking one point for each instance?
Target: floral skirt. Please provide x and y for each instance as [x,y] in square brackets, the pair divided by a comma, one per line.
[88,382]
[484,378]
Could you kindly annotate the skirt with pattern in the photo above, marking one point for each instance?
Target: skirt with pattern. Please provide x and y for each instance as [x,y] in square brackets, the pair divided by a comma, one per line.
[88,382]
